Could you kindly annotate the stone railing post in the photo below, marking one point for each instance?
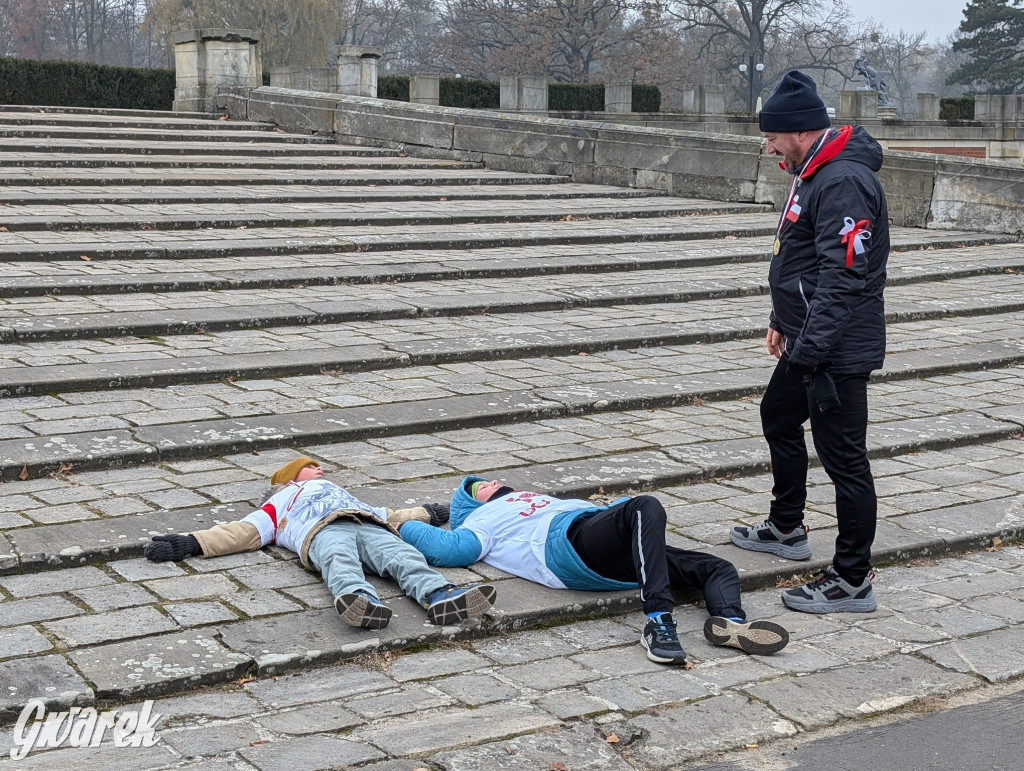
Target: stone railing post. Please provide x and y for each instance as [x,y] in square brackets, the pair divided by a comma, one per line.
[523,93]
[618,96]
[357,69]
[859,104]
[208,60]
[425,88]
[691,100]
[927,106]
[712,99]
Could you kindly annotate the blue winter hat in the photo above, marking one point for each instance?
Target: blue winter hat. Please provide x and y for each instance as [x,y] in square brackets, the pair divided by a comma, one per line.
[794,106]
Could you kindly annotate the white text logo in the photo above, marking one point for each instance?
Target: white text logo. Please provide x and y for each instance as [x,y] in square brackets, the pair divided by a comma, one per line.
[78,727]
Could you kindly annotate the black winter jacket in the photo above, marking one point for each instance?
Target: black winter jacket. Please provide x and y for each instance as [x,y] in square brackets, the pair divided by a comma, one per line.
[826,281]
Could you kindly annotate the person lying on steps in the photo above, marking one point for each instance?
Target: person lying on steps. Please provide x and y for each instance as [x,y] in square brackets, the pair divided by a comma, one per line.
[339,535]
[575,544]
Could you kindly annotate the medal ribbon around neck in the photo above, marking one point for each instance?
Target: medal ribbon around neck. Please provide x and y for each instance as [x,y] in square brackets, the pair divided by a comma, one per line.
[793,187]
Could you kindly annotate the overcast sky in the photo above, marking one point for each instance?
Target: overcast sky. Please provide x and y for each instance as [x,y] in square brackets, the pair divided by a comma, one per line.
[937,17]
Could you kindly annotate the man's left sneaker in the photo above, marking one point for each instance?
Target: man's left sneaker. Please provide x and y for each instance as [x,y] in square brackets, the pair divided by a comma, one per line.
[662,641]
[757,637]
[449,604]
[830,593]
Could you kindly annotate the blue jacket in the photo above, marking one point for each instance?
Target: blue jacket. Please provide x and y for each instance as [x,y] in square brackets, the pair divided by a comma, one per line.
[543,522]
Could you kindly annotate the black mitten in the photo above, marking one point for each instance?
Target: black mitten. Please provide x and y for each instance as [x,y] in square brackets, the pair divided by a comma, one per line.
[439,513]
[822,389]
[172,547]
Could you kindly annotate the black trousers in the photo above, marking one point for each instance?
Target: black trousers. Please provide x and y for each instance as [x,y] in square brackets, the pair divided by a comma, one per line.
[840,439]
[627,543]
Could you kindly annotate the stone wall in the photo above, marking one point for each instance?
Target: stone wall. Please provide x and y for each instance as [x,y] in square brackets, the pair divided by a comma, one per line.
[923,190]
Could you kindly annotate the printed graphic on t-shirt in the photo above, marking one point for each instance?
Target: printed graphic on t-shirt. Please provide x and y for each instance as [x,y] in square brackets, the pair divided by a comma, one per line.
[529,498]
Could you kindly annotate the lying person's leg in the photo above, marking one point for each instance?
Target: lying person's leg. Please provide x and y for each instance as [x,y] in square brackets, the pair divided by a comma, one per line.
[445,603]
[334,552]
[719,582]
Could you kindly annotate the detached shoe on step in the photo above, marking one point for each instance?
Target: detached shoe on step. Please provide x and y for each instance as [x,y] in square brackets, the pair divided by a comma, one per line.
[760,638]
[830,593]
[662,641]
[768,538]
[449,604]
[359,608]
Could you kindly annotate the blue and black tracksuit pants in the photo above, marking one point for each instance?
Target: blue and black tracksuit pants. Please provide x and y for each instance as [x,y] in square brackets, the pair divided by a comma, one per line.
[626,542]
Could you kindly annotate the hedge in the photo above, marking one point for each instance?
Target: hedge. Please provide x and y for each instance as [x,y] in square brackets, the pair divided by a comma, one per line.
[486,94]
[956,108]
[82,84]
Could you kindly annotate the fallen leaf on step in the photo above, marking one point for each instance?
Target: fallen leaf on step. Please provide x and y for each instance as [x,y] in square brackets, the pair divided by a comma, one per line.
[24,473]
[87,258]
[996,545]
[612,738]
[750,746]
[509,750]
[558,766]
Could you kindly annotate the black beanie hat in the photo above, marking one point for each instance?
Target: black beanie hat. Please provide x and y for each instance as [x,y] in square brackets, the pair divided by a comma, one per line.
[794,106]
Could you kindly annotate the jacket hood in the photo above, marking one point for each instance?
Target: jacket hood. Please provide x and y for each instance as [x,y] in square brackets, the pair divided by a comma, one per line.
[463,504]
[851,143]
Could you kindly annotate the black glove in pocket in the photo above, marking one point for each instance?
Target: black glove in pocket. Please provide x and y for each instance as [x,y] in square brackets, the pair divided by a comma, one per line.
[822,390]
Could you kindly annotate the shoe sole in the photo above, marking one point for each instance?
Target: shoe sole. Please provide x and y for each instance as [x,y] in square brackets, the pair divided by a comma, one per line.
[851,605]
[471,604]
[662,659]
[357,610]
[796,553]
[760,638]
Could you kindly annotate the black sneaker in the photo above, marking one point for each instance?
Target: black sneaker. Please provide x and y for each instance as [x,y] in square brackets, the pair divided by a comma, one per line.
[360,608]
[757,637]
[661,641]
[449,604]
[830,593]
[768,538]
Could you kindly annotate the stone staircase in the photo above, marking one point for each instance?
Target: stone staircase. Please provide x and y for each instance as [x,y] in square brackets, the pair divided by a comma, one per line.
[187,303]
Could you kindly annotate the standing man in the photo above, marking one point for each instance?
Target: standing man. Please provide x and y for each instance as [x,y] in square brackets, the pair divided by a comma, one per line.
[827,329]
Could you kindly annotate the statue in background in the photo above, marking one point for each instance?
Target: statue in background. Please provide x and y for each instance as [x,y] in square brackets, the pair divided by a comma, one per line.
[874,80]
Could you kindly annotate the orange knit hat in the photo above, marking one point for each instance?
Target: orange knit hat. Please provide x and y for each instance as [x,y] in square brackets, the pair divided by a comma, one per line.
[290,470]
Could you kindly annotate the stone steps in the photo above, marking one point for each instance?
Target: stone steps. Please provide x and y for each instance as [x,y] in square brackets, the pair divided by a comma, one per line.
[409,213]
[229,145]
[52,195]
[70,138]
[152,386]
[31,178]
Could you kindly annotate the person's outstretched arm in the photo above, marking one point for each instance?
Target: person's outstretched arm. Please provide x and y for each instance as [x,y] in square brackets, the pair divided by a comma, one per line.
[443,548]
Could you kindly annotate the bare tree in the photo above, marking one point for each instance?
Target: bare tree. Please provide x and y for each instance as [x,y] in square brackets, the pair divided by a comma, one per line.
[816,35]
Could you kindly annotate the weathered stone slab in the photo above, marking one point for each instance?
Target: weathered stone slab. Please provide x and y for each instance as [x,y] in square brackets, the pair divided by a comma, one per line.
[96,449]
[935,432]
[580,748]
[320,637]
[160,664]
[641,692]
[637,470]
[455,727]
[210,740]
[317,718]
[48,678]
[310,753]
[996,656]
[969,525]
[336,682]
[21,641]
[727,456]
[719,723]
[822,698]
[37,609]
[115,625]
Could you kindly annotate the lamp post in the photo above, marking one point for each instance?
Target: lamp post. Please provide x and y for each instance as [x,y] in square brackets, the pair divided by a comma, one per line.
[748,68]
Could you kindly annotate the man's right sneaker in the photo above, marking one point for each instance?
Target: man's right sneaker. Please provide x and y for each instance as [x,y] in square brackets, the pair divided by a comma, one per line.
[360,608]
[758,637]
[661,640]
[791,546]
[830,593]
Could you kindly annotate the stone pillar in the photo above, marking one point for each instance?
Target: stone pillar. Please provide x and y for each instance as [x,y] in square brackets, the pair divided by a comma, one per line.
[927,106]
[982,106]
[508,93]
[208,60]
[533,94]
[523,93]
[618,96]
[858,105]
[425,88]
[712,100]
[690,99]
[357,69]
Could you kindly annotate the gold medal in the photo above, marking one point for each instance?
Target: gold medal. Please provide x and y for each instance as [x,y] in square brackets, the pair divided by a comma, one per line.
[777,246]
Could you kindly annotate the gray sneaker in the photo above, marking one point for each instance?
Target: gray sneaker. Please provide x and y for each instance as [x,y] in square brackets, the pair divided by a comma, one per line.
[359,608]
[768,538]
[830,593]
[758,637]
